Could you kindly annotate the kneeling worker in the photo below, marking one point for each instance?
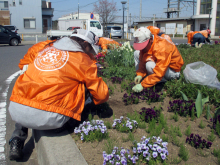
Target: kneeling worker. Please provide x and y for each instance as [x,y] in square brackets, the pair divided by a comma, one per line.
[159,60]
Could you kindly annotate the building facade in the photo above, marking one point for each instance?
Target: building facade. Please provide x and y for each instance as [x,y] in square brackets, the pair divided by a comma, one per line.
[208,15]
[79,16]
[31,17]
[169,25]
[4,13]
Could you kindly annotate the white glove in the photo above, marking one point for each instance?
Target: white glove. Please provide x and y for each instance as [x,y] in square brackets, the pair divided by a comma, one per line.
[137,79]
[25,67]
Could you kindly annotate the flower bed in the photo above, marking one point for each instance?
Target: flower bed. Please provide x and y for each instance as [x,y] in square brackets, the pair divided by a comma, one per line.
[125,143]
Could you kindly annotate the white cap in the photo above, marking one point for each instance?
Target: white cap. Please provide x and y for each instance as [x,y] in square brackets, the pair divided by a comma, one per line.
[87,36]
[141,38]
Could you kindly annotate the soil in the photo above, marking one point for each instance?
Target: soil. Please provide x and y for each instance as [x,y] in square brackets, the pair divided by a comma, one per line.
[92,152]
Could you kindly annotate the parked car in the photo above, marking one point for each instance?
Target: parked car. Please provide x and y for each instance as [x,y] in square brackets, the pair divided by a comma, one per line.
[115,31]
[12,28]
[9,37]
[73,28]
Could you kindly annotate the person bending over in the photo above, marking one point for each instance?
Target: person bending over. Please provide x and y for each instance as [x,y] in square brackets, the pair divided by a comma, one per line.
[157,59]
[197,38]
[56,79]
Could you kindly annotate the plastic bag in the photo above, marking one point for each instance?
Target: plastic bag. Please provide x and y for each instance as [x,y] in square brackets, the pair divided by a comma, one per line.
[201,73]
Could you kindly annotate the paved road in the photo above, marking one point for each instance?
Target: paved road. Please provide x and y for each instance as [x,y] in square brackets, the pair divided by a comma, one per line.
[9,59]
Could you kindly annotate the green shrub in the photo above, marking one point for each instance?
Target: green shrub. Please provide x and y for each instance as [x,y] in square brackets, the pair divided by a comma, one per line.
[183,153]
[211,137]
[201,125]
[188,131]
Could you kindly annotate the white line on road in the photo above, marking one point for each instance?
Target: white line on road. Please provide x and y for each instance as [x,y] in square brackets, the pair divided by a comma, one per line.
[3,103]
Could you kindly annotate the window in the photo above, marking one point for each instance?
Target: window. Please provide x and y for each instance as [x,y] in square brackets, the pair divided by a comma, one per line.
[203,26]
[29,23]
[95,24]
[5,4]
[205,6]
[158,25]
[2,29]
[116,28]
[13,3]
[20,2]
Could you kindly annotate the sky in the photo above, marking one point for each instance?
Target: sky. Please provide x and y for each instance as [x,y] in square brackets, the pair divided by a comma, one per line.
[149,7]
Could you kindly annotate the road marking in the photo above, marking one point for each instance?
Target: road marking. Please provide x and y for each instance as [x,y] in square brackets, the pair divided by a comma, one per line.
[3,103]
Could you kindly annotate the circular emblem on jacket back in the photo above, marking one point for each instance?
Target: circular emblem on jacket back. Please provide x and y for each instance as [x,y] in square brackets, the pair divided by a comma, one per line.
[51,59]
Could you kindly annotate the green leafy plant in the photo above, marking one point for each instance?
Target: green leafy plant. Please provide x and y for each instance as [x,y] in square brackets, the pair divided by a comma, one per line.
[188,131]
[211,137]
[201,125]
[199,103]
[173,132]
[175,117]
[216,153]
[208,114]
[183,153]
[165,138]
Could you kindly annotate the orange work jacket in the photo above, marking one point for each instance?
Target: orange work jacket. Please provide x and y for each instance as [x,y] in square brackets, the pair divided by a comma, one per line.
[154,30]
[205,33]
[166,37]
[192,33]
[55,81]
[165,54]
[103,42]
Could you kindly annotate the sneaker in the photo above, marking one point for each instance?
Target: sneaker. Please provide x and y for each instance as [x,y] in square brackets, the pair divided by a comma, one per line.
[16,146]
[200,45]
[196,45]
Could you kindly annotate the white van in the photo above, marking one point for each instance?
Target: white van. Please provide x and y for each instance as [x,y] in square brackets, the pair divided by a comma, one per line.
[90,25]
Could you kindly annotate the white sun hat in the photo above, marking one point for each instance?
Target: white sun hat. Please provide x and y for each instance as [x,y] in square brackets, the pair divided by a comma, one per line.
[87,36]
[141,38]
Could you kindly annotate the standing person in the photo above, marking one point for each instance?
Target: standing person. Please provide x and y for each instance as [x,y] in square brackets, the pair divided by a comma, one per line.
[60,76]
[159,60]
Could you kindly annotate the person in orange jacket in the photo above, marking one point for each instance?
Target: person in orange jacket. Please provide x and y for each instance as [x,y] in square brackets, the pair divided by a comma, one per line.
[105,43]
[159,60]
[156,31]
[197,38]
[59,81]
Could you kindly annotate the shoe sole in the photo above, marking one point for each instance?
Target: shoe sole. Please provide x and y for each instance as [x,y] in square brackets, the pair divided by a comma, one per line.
[15,156]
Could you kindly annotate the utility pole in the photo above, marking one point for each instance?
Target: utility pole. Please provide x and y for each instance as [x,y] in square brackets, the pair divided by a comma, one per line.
[78,9]
[127,17]
[140,9]
[154,19]
[130,19]
[178,13]
[193,6]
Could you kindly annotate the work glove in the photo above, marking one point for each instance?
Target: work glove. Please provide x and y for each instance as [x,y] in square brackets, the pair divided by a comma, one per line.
[25,67]
[137,88]
[137,79]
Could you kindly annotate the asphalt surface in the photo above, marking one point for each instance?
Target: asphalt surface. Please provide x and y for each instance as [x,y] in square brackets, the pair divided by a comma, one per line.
[9,59]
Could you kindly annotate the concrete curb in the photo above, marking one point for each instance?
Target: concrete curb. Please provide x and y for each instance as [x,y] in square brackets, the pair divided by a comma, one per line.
[57,149]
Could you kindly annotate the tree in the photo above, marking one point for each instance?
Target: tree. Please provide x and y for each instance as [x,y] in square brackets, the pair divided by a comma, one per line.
[106,11]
